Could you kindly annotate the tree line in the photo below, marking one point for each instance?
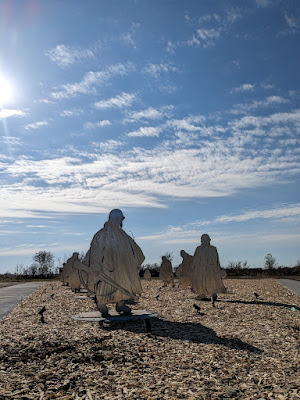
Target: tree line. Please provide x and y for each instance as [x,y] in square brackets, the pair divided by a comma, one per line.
[44,266]
[239,268]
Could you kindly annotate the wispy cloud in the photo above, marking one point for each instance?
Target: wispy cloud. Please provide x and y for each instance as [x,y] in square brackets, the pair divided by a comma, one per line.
[149,113]
[267,102]
[196,158]
[246,87]
[292,22]
[91,81]
[156,70]
[263,3]
[146,131]
[36,125]
[293,25]
[44,101]
[187,124]
[71,113]
[278,119]
[204,37]
[11,140]
[211,29]
[285,211]
[5,113]
[109,145]
[120,101]
[171,47]
[66,55]
[130,37]
[267,86]
[98,124]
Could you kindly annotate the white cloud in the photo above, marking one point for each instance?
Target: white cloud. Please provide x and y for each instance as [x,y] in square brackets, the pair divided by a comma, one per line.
[99,124]
[71,113]
[187,124]
[204,37]
[275,100]
[268,86]
[267,102]
[233,15]
[11,140]
[263,3]
[146,131]
[91,80]
[292,22]
[246,87]
[66,55]
[217,165]
[5,113]
[272,119]
[171,47]
[211,28]
[149,113]
[156,70]
[110,145]
[121,101]
[29,249]
[208,34]
[129,37]
[194,42]
[36,125]
[44,101]
[286,210]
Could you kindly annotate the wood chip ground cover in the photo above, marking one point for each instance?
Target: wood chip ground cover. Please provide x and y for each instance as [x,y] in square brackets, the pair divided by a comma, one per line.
[242,349]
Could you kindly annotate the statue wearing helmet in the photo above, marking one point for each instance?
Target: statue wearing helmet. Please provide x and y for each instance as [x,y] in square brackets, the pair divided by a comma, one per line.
[206,271]
[113,263]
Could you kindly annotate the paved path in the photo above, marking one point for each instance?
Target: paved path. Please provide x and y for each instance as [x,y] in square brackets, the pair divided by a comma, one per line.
[294,286]
[11,296]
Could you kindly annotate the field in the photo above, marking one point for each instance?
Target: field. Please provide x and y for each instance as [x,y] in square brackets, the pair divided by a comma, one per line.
[242,349]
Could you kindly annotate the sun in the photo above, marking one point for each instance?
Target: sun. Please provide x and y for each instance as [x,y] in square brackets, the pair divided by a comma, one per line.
[6,91]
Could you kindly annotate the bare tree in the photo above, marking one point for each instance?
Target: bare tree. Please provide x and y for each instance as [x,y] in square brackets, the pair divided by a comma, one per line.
[234,264]
[33,270]
[270,261]
[168,255]
[44,261]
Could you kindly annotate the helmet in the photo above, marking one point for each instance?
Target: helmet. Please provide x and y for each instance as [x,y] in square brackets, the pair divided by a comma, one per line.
[116,214]
[205,238]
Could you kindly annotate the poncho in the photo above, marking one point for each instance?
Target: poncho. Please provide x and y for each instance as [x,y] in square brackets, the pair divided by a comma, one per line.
[117,256]
[206,271]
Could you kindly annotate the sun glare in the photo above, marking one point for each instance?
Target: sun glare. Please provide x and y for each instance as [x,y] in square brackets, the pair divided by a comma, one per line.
[6,91]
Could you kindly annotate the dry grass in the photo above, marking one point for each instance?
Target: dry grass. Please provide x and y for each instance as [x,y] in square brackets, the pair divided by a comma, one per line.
[242,349]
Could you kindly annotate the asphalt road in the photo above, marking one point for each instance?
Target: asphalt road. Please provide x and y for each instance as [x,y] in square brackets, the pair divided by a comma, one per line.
[294,286]
[11,296]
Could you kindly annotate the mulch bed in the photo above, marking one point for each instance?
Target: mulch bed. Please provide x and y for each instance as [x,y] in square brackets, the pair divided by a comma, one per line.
[242,349]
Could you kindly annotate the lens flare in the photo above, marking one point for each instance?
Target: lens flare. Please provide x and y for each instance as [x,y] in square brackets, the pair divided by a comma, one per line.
[6,91]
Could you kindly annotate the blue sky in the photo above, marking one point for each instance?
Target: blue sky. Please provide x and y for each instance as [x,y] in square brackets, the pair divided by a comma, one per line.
[184,114]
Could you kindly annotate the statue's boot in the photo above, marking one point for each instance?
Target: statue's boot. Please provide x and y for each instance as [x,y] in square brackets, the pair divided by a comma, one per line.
[121,307]
[104,310]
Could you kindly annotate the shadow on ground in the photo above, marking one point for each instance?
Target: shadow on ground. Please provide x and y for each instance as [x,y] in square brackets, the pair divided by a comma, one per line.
[260,302]
[192,332]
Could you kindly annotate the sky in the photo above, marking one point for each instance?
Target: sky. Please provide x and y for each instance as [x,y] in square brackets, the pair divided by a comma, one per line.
[183,114]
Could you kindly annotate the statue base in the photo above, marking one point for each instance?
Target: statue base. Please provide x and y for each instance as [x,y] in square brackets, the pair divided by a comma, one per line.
[96,316]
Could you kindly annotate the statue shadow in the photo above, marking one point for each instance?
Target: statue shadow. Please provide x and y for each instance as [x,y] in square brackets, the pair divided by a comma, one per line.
[188,331]
[260,302]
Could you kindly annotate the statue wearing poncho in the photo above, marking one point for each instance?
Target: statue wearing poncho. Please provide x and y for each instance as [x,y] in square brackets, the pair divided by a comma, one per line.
[206,271]
[116,255]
